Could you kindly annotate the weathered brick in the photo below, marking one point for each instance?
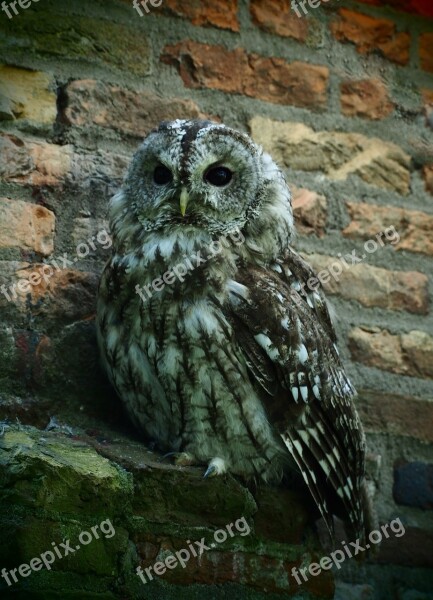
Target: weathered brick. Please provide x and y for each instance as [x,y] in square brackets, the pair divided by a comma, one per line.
[365,98]
[91,102]
[86,230]
[309,210]
[26,226]
[37,163]
[271,79]
[417,348]
[337,154]
[26,95]
[220,567]
[42,33]
[426,51]
[100,168]
[413,484]
[428,177]
[396,415]
[405,354]
[277,16]
[414,228]
[370,34]
[8,276]
[68,296]
[373,286]
[61,295]
[427,96]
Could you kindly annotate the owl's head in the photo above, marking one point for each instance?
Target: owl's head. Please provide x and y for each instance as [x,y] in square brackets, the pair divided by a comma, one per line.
[200,174]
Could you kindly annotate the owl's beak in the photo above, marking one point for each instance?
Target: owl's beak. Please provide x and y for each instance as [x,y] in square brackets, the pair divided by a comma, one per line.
[184,198]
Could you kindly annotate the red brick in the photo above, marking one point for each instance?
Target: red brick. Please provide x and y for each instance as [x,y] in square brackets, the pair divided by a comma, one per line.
[60,294]
[208,13]
[26,226]
[219,13]
[370,34]
[396,415]
[277,16]
[415,228]
[405,354]
[217,567]
[235,71]
[420,7]
[310,211]
[91,102]
[426,51]
[365,98]
[427,96]
[373,286]
[30,410]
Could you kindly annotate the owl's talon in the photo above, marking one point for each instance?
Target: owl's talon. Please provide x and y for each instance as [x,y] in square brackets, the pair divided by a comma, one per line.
[216,467]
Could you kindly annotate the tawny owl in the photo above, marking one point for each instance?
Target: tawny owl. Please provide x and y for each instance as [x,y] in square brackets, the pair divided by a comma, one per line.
[214,331]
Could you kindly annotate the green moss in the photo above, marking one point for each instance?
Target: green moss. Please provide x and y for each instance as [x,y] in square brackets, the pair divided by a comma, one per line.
[58,474]
[167,497]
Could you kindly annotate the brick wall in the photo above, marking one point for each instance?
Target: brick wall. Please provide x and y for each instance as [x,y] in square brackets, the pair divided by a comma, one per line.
[342,97]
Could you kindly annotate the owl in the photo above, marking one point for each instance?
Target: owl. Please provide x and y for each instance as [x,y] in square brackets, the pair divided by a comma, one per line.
[210,327]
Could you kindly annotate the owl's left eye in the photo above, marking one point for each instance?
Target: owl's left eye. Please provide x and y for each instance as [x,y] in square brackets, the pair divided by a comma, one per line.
[162,175]
[218,176]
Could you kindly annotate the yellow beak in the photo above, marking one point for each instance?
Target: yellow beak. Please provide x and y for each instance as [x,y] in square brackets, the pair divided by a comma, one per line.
[183,201]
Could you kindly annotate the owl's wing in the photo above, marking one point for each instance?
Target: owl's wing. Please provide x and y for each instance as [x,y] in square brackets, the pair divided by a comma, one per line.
[288,342]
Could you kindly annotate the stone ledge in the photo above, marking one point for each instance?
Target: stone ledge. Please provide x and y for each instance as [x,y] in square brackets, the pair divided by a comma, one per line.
[55,485]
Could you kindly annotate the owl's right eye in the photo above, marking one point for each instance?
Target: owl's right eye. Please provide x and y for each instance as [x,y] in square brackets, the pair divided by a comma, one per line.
[162,175]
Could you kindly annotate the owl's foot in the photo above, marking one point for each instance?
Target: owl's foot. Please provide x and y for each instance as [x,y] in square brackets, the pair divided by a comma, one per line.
[180,459]
[216,467]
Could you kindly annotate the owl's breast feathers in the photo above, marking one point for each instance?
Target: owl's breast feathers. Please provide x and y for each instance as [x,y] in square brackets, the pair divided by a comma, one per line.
[285,332]
[261,348]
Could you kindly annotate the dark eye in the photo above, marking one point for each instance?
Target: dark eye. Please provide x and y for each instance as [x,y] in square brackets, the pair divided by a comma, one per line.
[218,176]
[162,175]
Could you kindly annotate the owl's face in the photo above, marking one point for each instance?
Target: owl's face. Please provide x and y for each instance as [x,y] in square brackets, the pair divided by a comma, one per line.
[197,174]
